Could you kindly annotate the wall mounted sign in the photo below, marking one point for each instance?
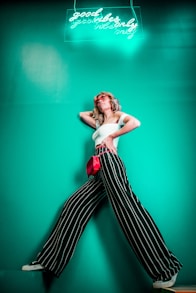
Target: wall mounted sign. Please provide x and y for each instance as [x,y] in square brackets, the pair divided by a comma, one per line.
[88,24]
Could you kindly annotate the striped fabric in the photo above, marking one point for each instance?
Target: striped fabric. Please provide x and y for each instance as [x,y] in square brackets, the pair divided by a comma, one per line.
[136,223]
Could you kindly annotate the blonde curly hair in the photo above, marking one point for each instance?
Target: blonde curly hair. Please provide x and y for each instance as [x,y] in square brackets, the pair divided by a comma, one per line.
[115,106]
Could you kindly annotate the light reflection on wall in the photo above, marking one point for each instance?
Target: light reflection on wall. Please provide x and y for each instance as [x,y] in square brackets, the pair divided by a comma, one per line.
[44,67]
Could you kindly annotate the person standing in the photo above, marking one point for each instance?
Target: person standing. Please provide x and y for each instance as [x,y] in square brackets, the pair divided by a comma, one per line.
[110,182]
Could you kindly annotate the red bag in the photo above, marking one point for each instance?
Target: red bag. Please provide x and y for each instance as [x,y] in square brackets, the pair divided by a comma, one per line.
[93,165]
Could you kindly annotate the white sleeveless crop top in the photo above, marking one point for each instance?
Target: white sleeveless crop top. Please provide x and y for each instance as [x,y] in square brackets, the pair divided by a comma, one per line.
[106,129]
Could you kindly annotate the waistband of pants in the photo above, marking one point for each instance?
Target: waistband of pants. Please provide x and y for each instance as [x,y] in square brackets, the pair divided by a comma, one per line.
[101,149]
[100,146]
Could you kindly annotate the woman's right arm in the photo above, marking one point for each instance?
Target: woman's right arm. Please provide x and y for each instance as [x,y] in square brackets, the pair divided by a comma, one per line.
[87,117]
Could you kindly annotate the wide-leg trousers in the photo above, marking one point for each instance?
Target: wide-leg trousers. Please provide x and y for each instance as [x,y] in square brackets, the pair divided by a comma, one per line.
[138,226]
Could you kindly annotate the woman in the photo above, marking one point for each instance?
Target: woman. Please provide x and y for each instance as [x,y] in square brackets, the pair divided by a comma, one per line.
[111,182]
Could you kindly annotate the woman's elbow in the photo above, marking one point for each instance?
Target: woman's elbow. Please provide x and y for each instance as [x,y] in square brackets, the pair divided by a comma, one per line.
[80,114]
[138,123]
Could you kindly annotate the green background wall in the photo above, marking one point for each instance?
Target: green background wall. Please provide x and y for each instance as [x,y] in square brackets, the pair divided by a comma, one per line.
[45,82]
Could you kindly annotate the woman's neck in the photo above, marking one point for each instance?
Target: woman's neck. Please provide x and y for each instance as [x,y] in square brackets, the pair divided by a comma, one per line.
[108,114]
[109,117]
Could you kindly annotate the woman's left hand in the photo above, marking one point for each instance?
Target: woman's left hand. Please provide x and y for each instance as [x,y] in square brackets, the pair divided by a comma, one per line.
[108,142]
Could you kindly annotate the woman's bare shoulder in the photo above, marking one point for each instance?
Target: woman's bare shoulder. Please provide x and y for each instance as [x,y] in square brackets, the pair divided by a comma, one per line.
[120,113]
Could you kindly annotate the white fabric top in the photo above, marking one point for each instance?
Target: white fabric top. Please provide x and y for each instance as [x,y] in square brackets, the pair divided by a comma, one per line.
[106,129]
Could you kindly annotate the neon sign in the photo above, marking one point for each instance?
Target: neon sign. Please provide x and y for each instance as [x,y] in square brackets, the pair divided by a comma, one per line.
[102,23]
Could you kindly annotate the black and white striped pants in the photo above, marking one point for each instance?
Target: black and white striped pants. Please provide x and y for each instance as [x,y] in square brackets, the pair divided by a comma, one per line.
[136,223]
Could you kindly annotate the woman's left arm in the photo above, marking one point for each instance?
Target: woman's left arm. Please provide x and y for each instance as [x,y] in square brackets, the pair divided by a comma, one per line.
[130,123]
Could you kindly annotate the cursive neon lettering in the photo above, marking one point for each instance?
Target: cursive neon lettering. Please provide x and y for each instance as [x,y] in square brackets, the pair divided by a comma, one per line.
[107,22]
[76,15]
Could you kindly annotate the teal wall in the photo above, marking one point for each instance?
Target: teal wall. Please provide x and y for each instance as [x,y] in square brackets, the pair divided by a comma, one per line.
[45,82]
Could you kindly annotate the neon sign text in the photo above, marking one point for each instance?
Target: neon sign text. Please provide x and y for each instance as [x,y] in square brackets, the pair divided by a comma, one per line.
[107,22]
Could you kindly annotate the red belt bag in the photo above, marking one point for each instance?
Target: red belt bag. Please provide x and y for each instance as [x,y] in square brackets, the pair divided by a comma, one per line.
[93,165]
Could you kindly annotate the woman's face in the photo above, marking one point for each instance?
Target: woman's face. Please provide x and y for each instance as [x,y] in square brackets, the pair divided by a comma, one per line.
[103,102]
